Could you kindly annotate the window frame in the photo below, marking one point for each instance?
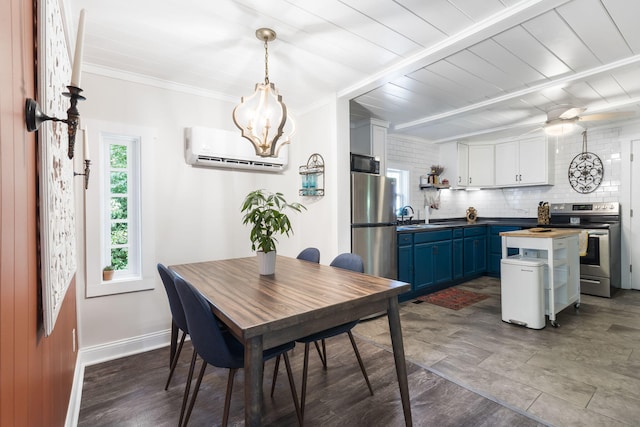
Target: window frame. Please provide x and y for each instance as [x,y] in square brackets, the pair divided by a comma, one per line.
[97,210]
[403,194]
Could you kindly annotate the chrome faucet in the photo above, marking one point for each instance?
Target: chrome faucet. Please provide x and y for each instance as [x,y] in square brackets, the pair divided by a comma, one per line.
[403,211]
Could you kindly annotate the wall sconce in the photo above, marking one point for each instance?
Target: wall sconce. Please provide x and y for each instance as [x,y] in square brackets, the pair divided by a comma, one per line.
[87,161]
[262,116]
[33,113]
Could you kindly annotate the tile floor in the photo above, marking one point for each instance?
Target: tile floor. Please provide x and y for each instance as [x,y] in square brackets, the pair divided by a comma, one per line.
[584,373]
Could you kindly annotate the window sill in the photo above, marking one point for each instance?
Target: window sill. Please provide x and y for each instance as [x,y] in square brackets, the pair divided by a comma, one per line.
[119,286]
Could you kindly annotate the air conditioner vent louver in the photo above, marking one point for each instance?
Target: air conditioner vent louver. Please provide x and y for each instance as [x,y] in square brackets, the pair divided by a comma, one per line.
[217,148]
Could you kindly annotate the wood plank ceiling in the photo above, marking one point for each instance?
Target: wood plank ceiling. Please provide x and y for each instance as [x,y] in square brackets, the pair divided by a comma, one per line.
[439,69]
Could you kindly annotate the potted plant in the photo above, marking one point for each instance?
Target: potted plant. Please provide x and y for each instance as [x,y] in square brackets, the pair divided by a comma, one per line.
[265,212]
[107,272]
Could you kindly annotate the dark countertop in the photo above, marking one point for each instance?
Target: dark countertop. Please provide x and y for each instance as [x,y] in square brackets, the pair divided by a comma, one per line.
[462,222]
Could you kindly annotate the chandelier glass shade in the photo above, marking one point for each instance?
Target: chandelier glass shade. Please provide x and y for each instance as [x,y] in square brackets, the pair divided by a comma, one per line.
[262,117]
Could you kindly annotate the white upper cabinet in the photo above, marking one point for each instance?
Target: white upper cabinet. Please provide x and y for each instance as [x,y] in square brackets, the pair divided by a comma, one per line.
[463,165]
[370,137]
[481,166]
[454,156]
[525,162]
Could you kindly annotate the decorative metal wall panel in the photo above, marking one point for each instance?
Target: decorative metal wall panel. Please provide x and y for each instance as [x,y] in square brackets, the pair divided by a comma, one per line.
[56,198]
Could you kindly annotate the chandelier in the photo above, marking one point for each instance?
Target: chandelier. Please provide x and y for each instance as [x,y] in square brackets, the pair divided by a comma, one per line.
[262,116]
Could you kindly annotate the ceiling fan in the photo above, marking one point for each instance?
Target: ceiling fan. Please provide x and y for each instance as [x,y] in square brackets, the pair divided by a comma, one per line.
[564,119]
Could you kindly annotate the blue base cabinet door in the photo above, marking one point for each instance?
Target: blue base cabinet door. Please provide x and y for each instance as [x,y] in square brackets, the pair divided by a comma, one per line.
[457,249]
[475,251]
[432,264]
[405,264]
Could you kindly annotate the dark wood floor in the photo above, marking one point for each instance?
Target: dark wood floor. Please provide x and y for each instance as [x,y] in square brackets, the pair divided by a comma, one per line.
[130,392]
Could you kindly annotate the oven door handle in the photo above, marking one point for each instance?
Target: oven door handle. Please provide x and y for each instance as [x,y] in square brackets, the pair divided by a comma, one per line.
[597,233]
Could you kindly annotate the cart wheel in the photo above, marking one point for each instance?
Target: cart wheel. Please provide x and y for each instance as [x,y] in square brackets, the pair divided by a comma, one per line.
[576,305]
[554,324]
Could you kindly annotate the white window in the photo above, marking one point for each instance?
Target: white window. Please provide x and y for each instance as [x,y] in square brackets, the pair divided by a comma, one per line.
[121,205]
[118,195]
[402,187]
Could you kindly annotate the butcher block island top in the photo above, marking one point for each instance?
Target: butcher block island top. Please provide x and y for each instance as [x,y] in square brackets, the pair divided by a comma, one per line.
[543,233]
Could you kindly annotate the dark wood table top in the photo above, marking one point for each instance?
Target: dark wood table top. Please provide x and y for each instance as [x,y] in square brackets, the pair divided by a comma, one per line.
[298,291]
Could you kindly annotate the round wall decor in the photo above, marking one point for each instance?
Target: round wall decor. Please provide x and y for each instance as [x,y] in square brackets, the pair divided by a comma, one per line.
[585,170]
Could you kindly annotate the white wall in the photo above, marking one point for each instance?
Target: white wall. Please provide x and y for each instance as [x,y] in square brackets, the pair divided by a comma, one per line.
[417,156]
[197,211]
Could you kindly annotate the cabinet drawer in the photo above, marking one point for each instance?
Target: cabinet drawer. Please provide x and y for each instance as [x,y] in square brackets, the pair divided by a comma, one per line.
[405,239]
[432,236]
[458,233]
[475,231]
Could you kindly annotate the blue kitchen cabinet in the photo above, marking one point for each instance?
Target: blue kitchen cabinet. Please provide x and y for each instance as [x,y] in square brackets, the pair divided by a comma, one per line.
[432,259]
[495,247]
[457,249]
[474,251]
[405,257]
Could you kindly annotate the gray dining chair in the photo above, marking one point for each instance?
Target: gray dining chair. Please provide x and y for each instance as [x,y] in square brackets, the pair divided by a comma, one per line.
[217,347]
[177,317]
[347,261]
[310,254]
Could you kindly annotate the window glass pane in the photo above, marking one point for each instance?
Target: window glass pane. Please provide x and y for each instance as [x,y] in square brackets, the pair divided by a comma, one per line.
[120,258]
[119,207]
[119,182]
[402,188]
[118,156]
[119,233]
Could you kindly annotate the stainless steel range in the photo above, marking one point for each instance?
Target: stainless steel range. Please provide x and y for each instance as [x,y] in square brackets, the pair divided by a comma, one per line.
[600,267]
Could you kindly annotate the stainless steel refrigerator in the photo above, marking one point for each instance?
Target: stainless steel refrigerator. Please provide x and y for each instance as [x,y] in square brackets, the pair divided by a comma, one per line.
[373,223]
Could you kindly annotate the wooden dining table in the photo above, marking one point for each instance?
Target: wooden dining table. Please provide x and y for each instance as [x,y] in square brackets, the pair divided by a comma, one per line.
[301,298]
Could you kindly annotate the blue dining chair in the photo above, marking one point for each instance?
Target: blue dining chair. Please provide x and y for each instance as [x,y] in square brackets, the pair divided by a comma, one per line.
[347,261]
[219,348]
[310,254]
[177,314]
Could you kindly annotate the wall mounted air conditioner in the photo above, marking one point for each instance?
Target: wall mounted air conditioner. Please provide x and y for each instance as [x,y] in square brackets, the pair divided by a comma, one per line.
[224,149]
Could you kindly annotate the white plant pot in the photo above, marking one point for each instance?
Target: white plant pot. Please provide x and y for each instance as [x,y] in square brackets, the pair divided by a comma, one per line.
[266,262]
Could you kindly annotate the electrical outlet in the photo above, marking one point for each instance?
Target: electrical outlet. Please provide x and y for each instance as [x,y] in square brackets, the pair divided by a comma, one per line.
[73,337]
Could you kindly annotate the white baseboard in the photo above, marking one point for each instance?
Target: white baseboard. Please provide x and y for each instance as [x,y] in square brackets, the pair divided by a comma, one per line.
[134,345]
[73,410]
[103,353]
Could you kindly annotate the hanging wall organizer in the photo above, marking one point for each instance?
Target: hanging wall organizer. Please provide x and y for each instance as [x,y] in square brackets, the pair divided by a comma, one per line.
[312,175]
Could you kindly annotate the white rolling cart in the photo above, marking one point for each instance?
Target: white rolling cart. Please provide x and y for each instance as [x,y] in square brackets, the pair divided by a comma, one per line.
[558,248]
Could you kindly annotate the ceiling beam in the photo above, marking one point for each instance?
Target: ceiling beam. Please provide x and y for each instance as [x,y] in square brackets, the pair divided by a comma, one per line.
[484,29]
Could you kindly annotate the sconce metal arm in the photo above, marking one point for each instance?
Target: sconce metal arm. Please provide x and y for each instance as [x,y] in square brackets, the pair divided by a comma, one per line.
[34,116]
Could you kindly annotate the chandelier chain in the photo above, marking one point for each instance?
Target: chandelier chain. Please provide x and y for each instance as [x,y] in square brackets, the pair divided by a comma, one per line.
[266,62]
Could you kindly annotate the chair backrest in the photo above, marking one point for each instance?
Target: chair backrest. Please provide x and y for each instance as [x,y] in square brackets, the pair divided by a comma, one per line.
[310,254]
[348,261]
[206,336]
[168,280]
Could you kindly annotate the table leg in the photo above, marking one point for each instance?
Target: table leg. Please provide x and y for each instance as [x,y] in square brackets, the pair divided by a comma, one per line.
[398,354]
[253,381]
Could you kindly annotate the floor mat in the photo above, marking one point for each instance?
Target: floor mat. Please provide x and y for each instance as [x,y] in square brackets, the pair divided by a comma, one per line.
[453,298]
